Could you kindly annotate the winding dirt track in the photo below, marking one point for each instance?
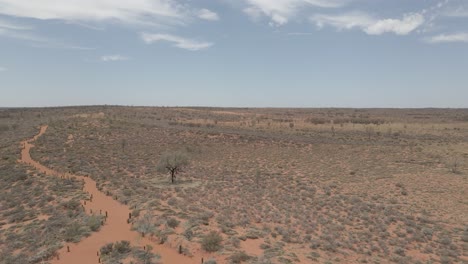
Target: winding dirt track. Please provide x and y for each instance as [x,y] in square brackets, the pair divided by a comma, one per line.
[115,228]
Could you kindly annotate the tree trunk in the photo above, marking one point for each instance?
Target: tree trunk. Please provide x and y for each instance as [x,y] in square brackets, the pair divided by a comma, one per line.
[172,176]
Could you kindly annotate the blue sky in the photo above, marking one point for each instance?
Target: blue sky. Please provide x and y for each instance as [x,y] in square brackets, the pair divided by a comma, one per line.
[257,53]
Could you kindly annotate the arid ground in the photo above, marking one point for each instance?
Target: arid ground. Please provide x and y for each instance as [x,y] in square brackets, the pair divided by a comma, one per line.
[81,185]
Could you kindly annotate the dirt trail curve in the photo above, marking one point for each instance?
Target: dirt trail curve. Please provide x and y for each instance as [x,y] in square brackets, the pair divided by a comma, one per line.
[115,228]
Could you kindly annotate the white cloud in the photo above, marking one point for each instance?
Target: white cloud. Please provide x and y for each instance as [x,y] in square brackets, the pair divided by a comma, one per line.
[345,21]
[208,15]
[403,26]
[448,38]
[280,11]
[114,58]
[2,69]
[135,11]
[253,12]
[277,19]
[369,24]
[179,42]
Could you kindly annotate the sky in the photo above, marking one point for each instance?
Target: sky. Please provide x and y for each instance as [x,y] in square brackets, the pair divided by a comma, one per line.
[234,53]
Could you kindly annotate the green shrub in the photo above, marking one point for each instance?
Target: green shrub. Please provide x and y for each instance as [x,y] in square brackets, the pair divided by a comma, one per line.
[107,249]
[122,247]
[239,257]
[73,232]
[135,213]
[94,223]
[172,222]
[211,242]
[146,256]
[188,233]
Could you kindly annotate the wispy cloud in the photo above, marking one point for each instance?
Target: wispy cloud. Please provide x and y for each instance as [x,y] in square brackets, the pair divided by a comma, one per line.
[449,38]
[403,26]
[4,24]
[86,25]
[141,11]
[25,33]
[15,30]
[22,35]
[370,25]
[2,69]
[116,57]
[179,42]
[280,11]
[94,14]
[207,15]
[37,41]
[18,31]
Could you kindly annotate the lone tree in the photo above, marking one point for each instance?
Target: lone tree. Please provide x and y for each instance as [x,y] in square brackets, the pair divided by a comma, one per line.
[173,162]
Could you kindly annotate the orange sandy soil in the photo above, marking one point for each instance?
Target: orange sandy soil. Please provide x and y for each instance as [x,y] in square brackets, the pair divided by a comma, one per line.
[115,228]
[426,185]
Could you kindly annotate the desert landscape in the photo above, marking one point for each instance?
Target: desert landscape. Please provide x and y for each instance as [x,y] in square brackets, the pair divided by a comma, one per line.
[233,131]
[251,185]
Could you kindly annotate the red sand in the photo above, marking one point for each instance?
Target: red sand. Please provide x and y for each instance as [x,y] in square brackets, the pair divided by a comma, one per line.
[252,246]
[115,228]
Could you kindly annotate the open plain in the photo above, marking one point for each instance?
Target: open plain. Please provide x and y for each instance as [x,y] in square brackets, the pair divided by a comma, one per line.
[262,185]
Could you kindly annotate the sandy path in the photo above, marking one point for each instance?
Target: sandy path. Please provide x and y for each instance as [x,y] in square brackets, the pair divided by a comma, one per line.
[115,228]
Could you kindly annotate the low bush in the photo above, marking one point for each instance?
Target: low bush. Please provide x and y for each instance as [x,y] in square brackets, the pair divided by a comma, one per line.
[239,257]
[172,222]
[211,242]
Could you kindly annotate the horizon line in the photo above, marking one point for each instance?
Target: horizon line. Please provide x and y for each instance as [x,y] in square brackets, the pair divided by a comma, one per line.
[229,107]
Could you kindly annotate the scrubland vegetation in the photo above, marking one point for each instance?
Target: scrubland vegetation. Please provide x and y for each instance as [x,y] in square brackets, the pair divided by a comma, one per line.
[38,213]
[258,185]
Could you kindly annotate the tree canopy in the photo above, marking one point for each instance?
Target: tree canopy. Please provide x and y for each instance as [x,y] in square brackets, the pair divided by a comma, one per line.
[173,162]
